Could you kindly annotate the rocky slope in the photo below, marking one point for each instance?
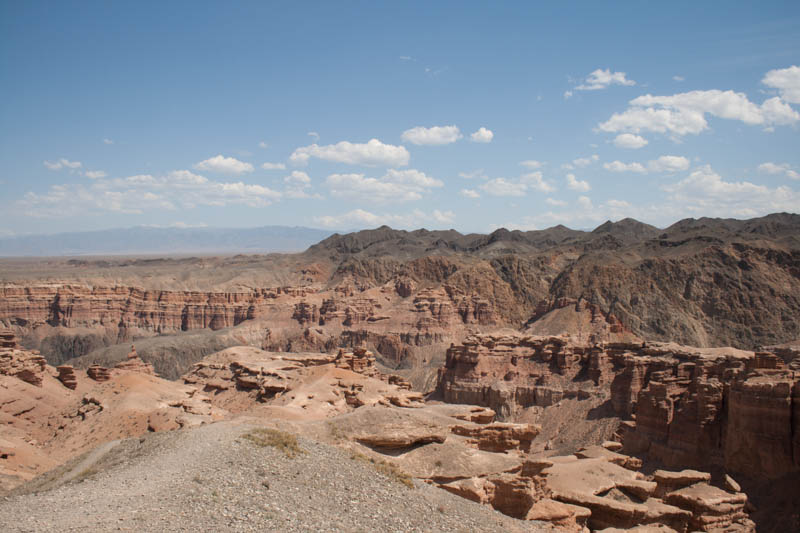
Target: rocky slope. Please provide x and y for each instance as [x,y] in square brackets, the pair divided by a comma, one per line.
[341,399]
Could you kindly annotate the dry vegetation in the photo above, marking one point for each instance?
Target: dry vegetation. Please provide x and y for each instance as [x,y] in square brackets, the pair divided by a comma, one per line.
[285,442]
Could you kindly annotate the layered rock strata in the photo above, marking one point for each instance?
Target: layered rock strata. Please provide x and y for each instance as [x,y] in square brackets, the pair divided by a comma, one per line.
[681,406]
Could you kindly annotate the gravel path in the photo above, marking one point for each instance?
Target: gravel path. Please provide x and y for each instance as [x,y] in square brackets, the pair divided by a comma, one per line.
[210,479]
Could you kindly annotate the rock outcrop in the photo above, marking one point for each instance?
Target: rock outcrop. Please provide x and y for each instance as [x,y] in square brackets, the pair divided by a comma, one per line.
[26,365]
[66,375]
[682,406]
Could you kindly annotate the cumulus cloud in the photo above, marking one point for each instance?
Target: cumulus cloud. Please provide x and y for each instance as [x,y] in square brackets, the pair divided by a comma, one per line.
[576,184]
[531,164]
[602,79]
[469,193]
[629,141]
[297,184]
[619,166]
[678,78]
[224,165]
[370,154]
[504,187]
[273,166]
[435,136]
[360,218]
[108,141]
[786,81]
[534,180]
[554,202]
[313,135]
[665,163]
[482,136]
[443,217]
[95,174]
[144,192]
[706,193]
[62,163]
[775,168]
[263,145]
[668,163]
[685,113]
[395,185]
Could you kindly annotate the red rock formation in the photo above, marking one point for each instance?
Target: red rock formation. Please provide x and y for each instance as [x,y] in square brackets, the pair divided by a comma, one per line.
[98,373]
[134,363]
[499,437]
[131,307]
[360,361]
[66,375]
[22,364]
[688,407]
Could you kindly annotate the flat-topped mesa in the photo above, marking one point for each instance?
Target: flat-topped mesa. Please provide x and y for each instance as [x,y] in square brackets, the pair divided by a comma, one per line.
[133,363]
[131,307]
[731,410]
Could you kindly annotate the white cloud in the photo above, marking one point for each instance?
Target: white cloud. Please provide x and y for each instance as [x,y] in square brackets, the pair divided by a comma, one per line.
[582,162]
[108,141]
[668,163]
[584,202]
[314,135]
[535,181]
[603,78]
[678,78]
[706,193]
[360,218]
[373,153]
[482,135]
[665,163]
[434,136]
[567,95]
[554,202]
[685,113]
[619,166]
[273,166]
[443,217]
[504,187]
[395,185]
[95,174]
[296,184]
[474,174]
[630,141]
[787,81]
[62,163]
[774,168]
[224,165]
[531,164]
[576,184]
[298,179]
[469,193]
[140,193]
[263,145]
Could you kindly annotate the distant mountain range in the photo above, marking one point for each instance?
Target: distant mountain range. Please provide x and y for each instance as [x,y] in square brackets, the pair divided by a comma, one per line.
[147,240]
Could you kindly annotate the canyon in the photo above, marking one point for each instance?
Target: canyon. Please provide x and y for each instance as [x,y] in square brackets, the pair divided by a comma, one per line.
[623,377]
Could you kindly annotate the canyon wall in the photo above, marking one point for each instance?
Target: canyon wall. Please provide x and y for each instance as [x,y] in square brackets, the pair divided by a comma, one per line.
[678,405]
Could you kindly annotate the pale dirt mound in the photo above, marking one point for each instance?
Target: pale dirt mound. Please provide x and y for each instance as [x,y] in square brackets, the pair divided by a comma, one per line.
[211,479]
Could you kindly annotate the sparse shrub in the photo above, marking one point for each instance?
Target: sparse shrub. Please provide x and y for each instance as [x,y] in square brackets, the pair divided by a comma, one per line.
[387,469]
[285,442]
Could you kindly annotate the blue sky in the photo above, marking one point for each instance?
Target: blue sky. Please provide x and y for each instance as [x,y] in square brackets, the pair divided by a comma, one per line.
[470,115]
